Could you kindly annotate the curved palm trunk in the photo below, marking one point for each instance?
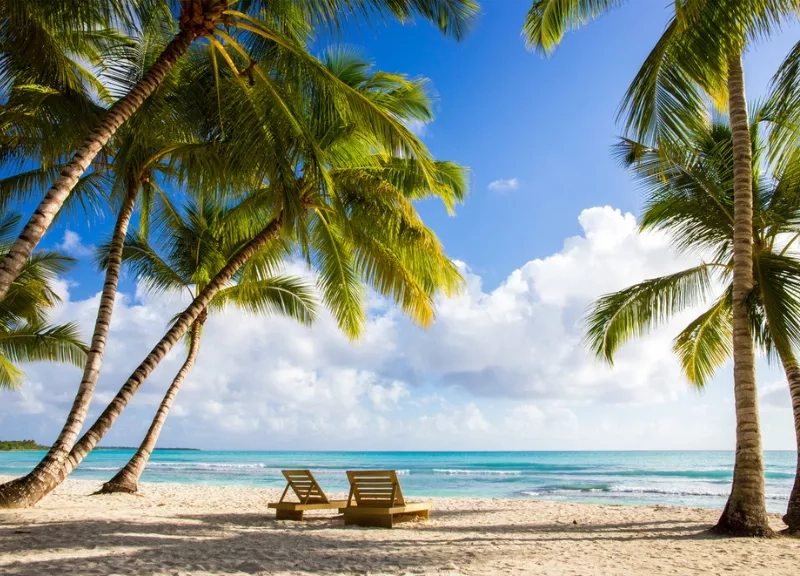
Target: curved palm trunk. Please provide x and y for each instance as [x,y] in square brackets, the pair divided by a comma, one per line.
[745,513]
[17,493]
[127,479]
[792,369]
[43,215]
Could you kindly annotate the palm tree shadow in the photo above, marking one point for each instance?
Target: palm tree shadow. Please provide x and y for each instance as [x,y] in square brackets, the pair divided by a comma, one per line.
[256,542]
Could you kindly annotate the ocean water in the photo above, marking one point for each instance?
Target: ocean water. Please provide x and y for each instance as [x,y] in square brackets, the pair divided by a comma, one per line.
[696,479]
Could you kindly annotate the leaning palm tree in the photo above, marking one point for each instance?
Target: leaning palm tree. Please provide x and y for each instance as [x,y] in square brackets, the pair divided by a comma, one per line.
[374,242]
[191,246]
[700,53]
[139,162]
[690,196]
[141,158]
[352,216]
[25,335]
[230,29]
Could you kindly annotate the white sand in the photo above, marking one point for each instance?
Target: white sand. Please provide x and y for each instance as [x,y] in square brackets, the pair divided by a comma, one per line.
[202,530]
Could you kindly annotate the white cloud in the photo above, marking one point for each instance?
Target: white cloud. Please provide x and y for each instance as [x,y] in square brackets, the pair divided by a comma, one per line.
[523,339]
[502,185]
[417,127]
[72,245]
[776,395]
[502,368]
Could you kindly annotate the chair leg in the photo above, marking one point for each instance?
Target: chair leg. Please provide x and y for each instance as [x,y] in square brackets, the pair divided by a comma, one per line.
[288,514]
[371,520]
[411,516]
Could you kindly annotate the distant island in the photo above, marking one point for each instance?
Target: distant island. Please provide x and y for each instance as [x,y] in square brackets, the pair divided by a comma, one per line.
[19,445]
[15,445]
[136,448]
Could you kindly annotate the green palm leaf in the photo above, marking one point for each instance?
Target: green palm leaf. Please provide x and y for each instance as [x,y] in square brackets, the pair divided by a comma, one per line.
[337,276]
[548,20]
[633,312]
[38,343]
[278,295]
[706,343]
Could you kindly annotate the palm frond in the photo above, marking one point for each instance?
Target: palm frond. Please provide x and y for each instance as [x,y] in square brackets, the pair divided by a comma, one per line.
[548,20]
[706,343]
[277,295]
[38,343]
[337,277]
[775,302]
[616,318]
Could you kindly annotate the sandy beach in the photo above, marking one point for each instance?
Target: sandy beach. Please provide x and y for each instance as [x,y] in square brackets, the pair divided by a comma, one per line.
[173,529]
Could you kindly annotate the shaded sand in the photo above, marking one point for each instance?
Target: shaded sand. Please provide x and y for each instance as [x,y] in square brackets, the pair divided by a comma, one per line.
[202,530]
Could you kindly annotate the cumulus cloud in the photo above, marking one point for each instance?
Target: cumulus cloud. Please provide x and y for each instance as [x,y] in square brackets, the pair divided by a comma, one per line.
[417,127]
[776,396]
[502,367]
[74,246]
[502,185]
[523,339]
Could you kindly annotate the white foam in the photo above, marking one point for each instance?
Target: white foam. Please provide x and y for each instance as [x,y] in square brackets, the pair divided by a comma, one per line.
[685,492]
[460,472]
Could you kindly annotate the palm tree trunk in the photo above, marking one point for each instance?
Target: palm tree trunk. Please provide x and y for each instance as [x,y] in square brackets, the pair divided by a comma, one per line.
[15,493]
[23,494]
[127,479]
[792,369]
[48,208]
[745,513]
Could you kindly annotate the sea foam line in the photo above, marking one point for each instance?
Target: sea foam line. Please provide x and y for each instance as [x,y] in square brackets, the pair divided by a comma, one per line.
[461,472]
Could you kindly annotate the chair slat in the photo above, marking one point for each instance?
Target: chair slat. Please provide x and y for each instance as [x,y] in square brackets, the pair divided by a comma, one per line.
[377,488]
[304,486]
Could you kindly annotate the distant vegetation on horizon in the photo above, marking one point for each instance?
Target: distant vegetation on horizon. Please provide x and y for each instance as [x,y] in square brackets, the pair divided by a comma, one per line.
[10,445]
[13,445]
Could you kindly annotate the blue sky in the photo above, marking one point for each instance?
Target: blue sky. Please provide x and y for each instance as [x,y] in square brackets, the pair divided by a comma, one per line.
[541,130]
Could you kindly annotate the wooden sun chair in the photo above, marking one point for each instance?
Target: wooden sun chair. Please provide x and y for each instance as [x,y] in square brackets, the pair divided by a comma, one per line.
[379,500]
[309,495]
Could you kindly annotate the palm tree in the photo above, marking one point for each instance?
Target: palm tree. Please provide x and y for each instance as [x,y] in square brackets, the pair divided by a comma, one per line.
[144,156]
[350,212]
[25,335]
[193,247]
[786,94]
[180,153]
[228,27]
[700,53]
[690,196]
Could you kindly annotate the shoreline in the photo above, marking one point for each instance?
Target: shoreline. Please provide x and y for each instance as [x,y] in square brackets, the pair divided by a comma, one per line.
[202,530]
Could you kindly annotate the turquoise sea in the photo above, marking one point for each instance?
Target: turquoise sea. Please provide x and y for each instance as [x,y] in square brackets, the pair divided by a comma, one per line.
[697,479]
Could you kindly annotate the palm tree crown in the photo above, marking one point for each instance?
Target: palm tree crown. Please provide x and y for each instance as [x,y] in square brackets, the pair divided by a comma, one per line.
[25,335]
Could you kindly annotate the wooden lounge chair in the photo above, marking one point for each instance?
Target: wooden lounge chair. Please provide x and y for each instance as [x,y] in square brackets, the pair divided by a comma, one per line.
[309,495]
[379,500]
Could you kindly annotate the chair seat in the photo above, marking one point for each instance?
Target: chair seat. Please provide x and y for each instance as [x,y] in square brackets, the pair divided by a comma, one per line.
[308,505]
[409,508]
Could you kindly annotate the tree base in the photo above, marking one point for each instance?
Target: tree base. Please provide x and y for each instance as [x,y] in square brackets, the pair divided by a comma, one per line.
[792,521]
[742,527]
[18,493]
[118,488]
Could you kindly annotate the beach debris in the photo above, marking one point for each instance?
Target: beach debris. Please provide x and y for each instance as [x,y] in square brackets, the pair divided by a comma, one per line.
[575,522]
[250,567]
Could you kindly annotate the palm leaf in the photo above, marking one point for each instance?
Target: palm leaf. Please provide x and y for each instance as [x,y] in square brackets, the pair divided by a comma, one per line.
[706,343]
[278,295]
[616,318]
[337,276]
[38,343]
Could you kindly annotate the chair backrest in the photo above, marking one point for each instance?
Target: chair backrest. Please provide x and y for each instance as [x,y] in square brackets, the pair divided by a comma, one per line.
[304,486]
[375,488]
